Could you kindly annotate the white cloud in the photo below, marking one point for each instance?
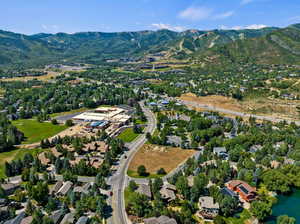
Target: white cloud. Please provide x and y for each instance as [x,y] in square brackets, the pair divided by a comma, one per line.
[51,28]
[168,27]
[294,19]
[195,13]
[245,2]
[250,27]
[224,15]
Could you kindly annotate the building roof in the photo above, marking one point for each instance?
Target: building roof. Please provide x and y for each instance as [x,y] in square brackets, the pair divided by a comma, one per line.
[65,188]
[227,191]
[219,150]
[160,220]
[44,160]
[17,220]
[10,186]
[145,190]
[56,187]
[68,218]
[27,220]
[208,202]
[82,220]
[56,216]
[242,186]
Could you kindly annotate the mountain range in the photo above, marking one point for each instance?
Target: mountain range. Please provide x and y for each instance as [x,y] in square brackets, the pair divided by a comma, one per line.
[267,45]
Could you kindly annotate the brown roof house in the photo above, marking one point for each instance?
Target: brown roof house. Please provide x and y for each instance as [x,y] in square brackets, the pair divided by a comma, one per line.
[243,189]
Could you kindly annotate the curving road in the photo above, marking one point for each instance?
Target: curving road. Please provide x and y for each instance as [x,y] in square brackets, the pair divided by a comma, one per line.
[118,180]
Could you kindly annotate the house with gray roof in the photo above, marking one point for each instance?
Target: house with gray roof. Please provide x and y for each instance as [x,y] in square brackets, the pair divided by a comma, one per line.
[68,218]
[145,190]
[57,216]
[82,220]
[208,209]
[160,220]
[65,189]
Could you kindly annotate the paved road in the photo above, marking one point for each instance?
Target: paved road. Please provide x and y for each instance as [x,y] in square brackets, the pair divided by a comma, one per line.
[236,113]
[118,180]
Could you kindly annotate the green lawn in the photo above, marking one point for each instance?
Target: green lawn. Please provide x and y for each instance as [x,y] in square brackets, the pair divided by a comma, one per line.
[128,135]
[35,131]
[128,196]
[12,155]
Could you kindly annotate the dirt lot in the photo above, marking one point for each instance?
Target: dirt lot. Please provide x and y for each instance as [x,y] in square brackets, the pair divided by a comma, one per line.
[48,76]
[154,157]
[276,108]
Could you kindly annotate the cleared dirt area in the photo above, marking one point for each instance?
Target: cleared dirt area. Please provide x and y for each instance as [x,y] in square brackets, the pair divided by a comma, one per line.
[48,76]
[276,108]
[154,157]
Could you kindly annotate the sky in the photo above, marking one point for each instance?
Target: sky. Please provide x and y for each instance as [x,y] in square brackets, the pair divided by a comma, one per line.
[70,16]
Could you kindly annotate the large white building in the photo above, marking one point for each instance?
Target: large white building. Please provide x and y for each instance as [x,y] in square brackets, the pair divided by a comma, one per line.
[111,114]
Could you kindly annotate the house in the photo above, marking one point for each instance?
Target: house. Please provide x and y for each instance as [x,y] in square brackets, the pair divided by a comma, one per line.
[168,192]
[56,187]
[243,189]
[84,189]
[17,220]
[160,220]
[57,216]
[228,192]
[174,140]
[56,153]
[221,152]
[145,190]
[82,220]
[27,220]
[44,160]
[65,189]
[208,209]
[10,188]
[255,148]
[68,218]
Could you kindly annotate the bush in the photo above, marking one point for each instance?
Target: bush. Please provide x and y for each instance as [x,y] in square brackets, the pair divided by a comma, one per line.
[54,121]
[142,170]
[69,123]
[161,171]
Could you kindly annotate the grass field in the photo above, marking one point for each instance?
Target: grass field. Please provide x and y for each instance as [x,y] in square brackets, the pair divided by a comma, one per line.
[50,75]
[12,155]
[35,131]
[128,135]
[68,112]
[154,157]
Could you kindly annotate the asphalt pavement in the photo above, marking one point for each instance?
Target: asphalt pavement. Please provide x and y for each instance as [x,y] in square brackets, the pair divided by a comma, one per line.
[118,180]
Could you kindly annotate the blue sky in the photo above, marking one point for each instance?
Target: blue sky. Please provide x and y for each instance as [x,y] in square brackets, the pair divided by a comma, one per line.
[51,16]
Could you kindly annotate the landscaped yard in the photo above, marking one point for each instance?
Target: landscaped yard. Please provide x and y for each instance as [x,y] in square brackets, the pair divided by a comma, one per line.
[154,157]
[128,135]
[12,155]
[35,131]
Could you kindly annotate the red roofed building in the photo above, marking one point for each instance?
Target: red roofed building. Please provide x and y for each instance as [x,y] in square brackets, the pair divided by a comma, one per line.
[243,189]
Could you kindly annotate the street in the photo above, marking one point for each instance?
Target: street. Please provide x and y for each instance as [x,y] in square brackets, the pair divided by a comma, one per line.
[118,180]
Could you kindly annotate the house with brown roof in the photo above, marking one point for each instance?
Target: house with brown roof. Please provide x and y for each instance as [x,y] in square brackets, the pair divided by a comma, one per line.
[56,153]
[243,189]
[44,160]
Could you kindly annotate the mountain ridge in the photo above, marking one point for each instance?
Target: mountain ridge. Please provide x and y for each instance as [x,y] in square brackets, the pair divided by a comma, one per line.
[96,47]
